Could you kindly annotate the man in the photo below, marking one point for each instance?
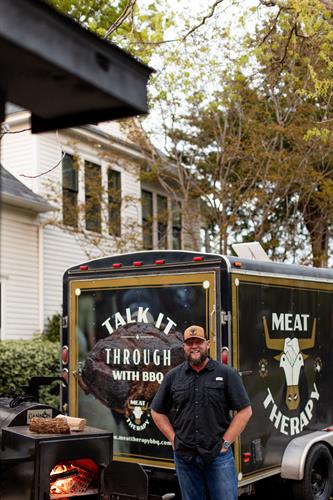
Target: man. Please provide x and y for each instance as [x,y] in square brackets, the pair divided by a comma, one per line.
[201,392]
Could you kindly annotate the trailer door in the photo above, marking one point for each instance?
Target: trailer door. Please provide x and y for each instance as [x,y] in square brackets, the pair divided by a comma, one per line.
[125,334]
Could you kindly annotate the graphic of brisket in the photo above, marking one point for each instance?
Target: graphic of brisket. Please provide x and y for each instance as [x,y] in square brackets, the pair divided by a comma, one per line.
[114,369]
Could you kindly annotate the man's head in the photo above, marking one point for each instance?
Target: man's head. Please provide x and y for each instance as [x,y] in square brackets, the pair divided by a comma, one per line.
[196,345]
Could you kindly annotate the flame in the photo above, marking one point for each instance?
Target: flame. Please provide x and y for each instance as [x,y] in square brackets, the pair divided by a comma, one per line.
[62,486]
[76,479]
[61,468]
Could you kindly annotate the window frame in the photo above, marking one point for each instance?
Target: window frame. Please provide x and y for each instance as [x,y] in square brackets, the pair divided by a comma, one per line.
[146,223]
[154,223]
[114,211]
[96,204]
[70,216]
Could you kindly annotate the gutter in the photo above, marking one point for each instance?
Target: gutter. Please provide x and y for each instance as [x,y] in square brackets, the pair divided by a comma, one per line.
[34,205]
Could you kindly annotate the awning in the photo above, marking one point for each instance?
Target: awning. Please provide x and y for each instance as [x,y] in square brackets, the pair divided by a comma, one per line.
[62,73]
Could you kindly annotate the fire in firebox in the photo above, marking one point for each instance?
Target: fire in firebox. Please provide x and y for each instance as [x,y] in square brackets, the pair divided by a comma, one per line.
[75,477]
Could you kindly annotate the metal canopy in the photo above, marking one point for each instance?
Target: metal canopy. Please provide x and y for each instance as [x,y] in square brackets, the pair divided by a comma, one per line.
[65,75]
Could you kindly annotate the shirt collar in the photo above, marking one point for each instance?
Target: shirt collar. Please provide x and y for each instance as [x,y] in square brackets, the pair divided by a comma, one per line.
[209,366]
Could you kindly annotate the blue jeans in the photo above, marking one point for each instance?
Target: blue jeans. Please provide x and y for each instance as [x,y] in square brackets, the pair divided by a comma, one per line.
[218,477]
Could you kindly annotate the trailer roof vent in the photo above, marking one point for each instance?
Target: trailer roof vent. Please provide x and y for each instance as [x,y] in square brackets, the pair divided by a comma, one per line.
[84,268]
[116,265]
[137,263]
[160,261]
[198,258]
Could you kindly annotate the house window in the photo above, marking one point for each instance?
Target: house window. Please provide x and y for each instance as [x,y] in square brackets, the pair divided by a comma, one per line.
[147,219]
[176,227]
[160,230]
[162,221]
[69,191]
[93,195]
[114,202]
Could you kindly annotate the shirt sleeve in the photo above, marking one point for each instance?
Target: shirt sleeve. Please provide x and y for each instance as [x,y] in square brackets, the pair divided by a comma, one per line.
[236,392]
[162,402]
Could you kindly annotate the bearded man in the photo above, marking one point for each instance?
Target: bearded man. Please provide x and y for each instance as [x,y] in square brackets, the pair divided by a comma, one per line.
[202,392]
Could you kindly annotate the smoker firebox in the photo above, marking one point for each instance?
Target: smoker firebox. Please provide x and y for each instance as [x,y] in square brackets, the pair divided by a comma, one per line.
[49,466]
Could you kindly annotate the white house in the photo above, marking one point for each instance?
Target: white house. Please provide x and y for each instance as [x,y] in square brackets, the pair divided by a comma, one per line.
[85,200]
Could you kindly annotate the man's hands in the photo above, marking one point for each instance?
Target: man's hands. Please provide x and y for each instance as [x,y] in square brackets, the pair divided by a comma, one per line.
[236,426]
[164,425]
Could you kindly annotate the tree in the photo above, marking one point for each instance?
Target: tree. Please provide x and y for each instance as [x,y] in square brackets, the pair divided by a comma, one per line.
[257,151]
[249,117]
[295,60]
[138,30]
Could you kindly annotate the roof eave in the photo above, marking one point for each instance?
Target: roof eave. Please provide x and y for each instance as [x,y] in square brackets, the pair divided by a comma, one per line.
[35,206]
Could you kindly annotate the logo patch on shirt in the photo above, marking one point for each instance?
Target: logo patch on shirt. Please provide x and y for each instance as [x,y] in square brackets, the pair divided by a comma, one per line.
[219,378]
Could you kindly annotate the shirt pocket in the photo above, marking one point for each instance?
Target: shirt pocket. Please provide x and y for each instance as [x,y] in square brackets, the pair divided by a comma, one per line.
[180,395]
[215,393]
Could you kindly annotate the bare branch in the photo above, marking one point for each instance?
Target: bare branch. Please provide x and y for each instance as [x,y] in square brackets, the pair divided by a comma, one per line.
[128,10]
[272,28]
[184,37]
[204,19]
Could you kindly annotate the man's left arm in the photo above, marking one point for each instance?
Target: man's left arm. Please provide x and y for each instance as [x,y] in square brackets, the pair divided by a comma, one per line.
[239,401]
[237,424]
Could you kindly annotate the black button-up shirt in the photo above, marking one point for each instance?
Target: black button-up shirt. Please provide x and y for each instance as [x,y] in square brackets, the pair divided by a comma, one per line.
[198,405]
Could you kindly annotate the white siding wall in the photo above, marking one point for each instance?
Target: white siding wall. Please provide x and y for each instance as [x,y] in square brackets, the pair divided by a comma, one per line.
[61,251]
[18,155]
[19,273]
[49,154]
[24,153]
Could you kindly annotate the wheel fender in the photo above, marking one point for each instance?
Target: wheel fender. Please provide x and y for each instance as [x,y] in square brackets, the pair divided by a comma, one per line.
[295,454]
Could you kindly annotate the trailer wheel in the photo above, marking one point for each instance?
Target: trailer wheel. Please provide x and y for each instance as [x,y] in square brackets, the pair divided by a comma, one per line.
[317,483]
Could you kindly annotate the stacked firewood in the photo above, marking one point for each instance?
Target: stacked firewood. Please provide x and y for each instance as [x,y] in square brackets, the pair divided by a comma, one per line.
[59,425]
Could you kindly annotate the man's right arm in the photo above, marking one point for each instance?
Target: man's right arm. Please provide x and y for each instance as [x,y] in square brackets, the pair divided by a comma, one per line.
[163,423]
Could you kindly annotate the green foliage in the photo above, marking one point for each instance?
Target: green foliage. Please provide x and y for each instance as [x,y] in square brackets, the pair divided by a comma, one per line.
[137,30]
[247,113]
[22,359]
[52,328]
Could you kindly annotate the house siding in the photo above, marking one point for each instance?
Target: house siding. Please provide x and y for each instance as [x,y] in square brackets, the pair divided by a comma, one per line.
[60,251]
[19,273]
[44,243]
[17,155]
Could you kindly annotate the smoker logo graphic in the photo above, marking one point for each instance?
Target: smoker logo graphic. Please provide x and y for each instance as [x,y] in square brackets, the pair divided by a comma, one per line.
[138,415]
[291,360]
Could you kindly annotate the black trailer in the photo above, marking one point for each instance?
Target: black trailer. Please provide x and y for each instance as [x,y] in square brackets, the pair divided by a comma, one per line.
[123,320]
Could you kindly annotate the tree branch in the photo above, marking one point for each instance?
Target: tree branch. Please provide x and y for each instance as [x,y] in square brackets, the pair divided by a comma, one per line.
[123,16]
[204,19]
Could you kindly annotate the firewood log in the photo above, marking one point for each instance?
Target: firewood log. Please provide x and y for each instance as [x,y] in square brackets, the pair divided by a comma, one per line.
[75,423]
[49,425]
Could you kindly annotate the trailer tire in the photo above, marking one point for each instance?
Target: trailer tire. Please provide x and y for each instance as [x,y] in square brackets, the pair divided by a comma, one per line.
[317,483]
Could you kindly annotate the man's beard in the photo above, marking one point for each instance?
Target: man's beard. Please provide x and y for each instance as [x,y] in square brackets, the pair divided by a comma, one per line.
[197,361]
